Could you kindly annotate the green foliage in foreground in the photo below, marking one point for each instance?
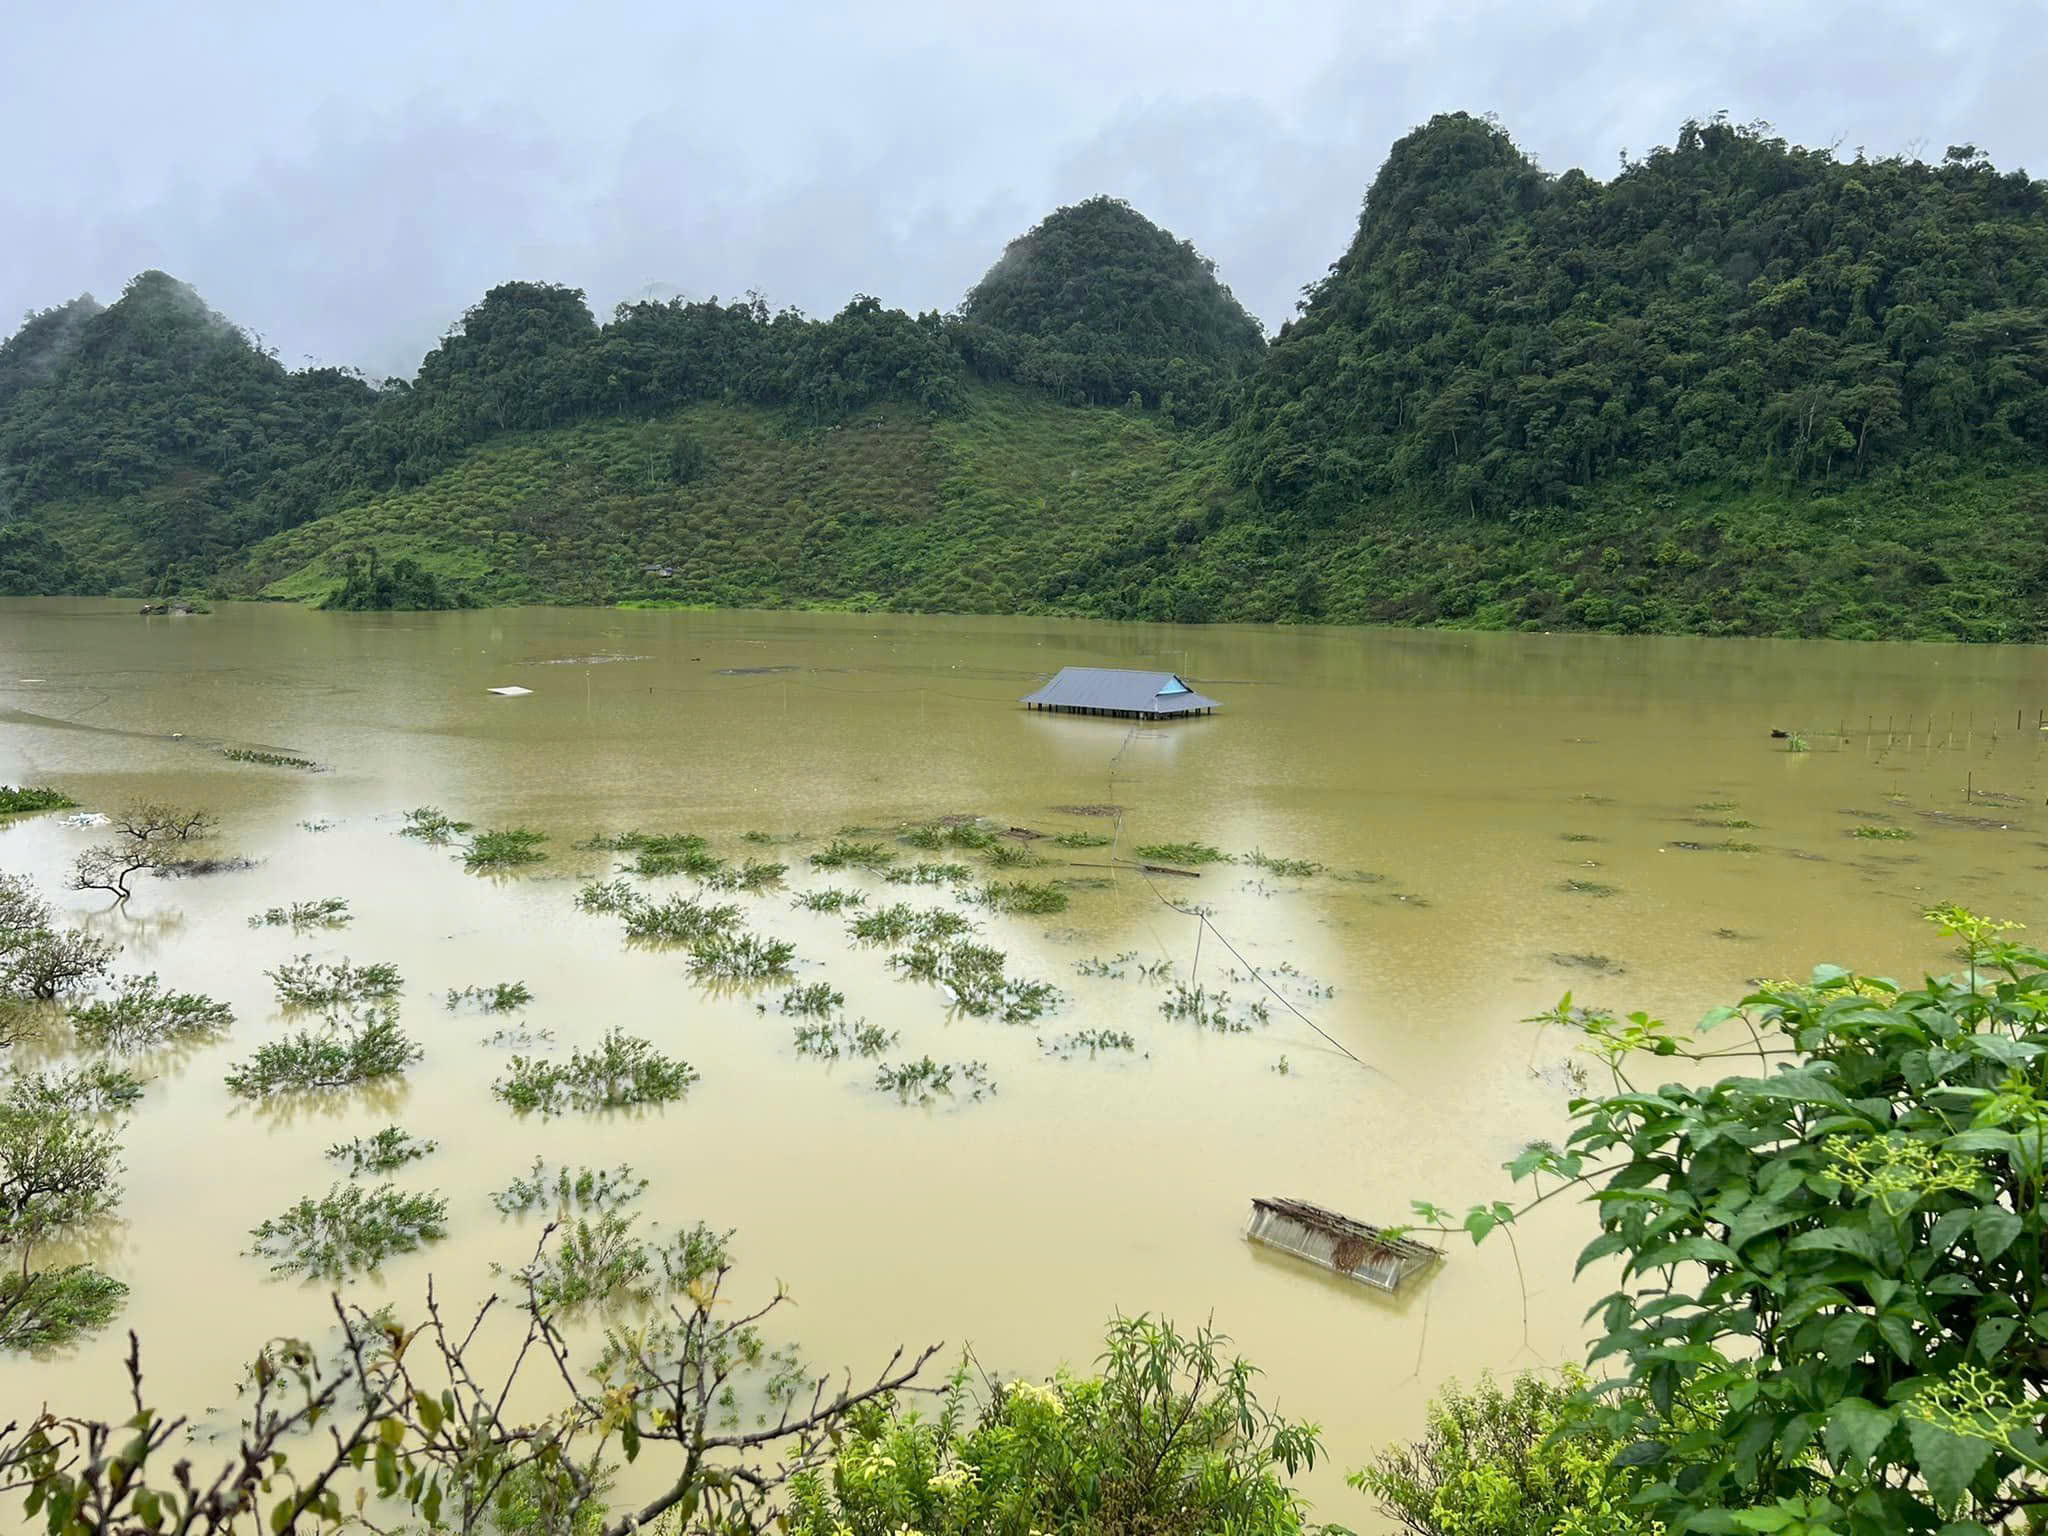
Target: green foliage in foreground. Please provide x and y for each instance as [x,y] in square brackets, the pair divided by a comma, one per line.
[19,801]
[1526,1460]
[1840,1252]
[142,1015]
[623,1072]
[338,1055]
[1169,1437]
[350,1229]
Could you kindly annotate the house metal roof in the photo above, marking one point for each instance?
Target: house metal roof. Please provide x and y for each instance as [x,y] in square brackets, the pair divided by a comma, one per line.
[1138,693]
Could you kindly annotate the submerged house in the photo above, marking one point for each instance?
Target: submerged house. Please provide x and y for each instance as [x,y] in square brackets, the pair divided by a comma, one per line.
[1129,695]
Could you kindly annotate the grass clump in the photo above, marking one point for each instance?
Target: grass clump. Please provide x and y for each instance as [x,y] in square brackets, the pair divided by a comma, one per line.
[1726,823]
[269,759]
[386,1152]
[1795,743]
[498,997]
[754,875]
[301,983]
[893,924]
[1082,840]
[606,896]
[1726,845]
[679,920]
[1012,856]
[1026,897]
[570,1189]
[1212,1010]
[977,835]
[741,957]
[1112,968]
[504,848]
[1093,1041]
[25,799]
[842,854]
[1882,834]
[830,1041]
[1183,853]
[142,1015]
[339,1056]
[623,1072]
[974,974]
[812,1001]
[431,825]
[327,912]
[350,1229]
[672,853]
[924,836]
[926,873]
[1294,869]
[920,1082]
[830,899]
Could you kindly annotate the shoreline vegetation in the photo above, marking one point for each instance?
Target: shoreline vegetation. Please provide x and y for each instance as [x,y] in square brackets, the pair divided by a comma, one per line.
[1738,388]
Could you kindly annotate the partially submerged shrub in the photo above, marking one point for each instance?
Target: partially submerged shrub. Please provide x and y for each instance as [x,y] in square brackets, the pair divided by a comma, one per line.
[50,1308]
[893,924]
[927,874]
[623,1072]
[680,920]
[830,899]
[1213,1010]
[741,957]
[1882,834]
[1023,896]
[49,963]
[840,1038]
[1297,869]
[24,799]
[1093,1041]
[142,1015]
[1082,840]
[1012,856]
[148,839]
[927,836]
[811,1001]
[973,974]
[607,896]
[327,912]
[303,982]
[841,854]
[504,848]
[431,825]
[351,1228]
[921,1081]
[569,1189]
[97,1088]
[498,997]
[1183,853]
[340,1055]
[754,875]
[386,1152]
[269,759]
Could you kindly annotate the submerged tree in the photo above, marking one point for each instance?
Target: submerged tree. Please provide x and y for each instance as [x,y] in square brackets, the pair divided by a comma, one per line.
[58,1169]
[148,839]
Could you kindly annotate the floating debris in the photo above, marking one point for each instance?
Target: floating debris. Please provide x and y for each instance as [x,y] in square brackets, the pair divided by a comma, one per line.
[1337,1243]
[511,691]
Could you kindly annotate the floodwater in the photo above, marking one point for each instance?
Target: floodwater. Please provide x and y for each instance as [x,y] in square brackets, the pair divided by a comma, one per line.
[1448,768]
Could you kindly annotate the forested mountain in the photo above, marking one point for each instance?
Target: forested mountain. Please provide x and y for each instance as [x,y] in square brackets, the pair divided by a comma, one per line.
[1742,387]
[1099,304]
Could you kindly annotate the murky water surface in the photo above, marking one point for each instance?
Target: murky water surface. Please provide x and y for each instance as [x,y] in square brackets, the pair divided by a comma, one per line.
[1452,785]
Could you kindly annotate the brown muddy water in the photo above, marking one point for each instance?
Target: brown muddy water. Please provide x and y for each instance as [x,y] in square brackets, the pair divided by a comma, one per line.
[1453,785]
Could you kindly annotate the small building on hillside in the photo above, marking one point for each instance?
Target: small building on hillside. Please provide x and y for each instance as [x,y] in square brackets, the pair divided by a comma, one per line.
[1128,695]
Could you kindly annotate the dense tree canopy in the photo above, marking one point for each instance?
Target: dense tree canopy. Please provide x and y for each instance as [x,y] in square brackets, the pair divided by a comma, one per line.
[1098,303]
[1729,310]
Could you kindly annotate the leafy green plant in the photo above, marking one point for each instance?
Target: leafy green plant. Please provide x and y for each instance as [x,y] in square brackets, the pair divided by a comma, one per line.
[623,1072]
[673,853]
[327,912]
[836,1038]
[1297,869]
[504,848]
[1183,853]
[754,875]
[498,997]
[431,825]
[830,899]
[268,759]
[303,982]
[1023,896]
[927,874]
[340,1055]
[741,957]
[971,834]
[565,1189]
[608,897]
[1213,1010]
[1082,840]
[924,836]
[142,1015]
[352,1228]
[841,854]
[1854,1220]
[812,1001]
[1169,1436]
[26,799]
[1882,834]
[1011,856]
[384,1152]
[923,1080]
[974,975]
[680,920]
[1795,743]
[1093,1041]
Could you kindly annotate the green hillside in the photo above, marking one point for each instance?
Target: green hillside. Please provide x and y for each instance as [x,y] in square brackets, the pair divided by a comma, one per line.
[1739,388]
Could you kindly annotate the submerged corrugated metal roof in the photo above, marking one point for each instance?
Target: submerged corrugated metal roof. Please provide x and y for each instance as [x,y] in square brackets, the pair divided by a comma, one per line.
[1142,693]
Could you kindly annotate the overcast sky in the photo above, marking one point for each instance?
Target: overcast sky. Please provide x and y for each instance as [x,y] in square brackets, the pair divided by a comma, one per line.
[346,179]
